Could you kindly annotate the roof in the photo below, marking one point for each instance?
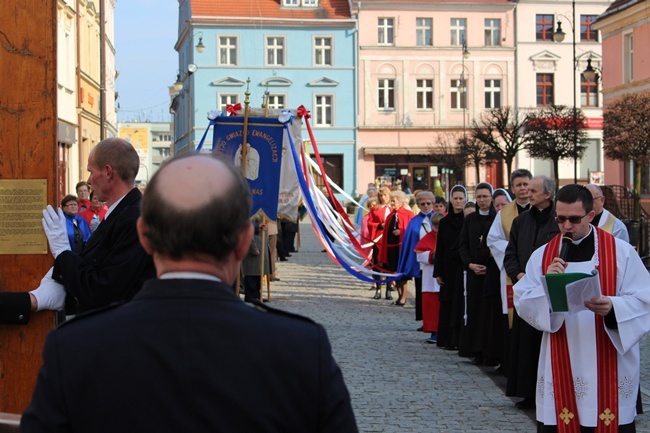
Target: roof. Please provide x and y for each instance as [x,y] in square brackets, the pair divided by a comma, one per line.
[619,5]
[327,9]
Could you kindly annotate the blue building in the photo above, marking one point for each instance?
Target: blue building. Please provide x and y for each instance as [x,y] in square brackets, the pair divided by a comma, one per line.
[302,52]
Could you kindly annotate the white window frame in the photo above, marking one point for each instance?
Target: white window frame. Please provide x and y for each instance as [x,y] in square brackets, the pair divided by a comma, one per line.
[322,48]
[290,3]
[628,57]
[423,26]
[386,31]
[273,101]
[228,49]
[457,95]
[492,91]
[223,99]
[458,31]
[492,32]
[310,3]
[274,49]
[320,110]
[422,88]
[384,89]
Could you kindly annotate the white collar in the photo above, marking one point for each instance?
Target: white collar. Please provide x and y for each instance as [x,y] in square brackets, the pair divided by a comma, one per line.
[114,205]
[188,276]
[577,242]
[483,212]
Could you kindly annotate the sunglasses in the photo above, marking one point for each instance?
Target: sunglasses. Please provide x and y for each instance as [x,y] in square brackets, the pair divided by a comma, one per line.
[425,203]
[572,219]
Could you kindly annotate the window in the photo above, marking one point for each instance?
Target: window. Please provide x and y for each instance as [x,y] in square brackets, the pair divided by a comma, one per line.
[424,94]
[386,94]
[310,3]
[492,93]
[424,31]
[275,51]
[225,100]
[458,31]
[228,50]
[458,95]
[492,33]
[588,93]
[587,33]
[277,102]
[323,51]
[545,90]
[628,57]
[544,27]
[323,112]
[289,2]
[385,31]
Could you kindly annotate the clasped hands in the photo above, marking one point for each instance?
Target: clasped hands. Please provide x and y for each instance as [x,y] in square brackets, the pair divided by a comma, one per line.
[601,306]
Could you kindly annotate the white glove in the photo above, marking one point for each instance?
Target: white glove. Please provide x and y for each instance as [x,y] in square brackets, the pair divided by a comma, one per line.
[50,295]
[56,231]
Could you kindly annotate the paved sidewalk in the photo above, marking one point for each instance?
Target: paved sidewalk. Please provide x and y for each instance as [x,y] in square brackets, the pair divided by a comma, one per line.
[398,383]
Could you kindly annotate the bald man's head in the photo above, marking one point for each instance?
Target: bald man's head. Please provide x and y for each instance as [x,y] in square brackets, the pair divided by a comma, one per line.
[599,198]
[195,205]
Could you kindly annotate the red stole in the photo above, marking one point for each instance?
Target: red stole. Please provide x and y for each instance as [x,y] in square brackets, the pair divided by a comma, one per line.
[566,408]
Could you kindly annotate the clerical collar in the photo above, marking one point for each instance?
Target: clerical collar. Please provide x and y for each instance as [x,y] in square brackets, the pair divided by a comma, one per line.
[577,242]
[525,205]
[483,212]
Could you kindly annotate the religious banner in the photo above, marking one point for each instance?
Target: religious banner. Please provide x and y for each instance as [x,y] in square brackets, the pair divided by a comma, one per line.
[262,160]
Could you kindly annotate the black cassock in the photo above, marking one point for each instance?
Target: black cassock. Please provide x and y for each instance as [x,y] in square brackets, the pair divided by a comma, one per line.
[473,249]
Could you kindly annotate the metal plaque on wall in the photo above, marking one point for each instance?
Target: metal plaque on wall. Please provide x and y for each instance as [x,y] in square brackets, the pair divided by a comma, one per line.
[21,209]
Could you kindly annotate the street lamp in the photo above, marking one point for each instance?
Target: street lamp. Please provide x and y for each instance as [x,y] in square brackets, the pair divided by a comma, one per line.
[199,47]
[462,88]
[558,36]
[178,85]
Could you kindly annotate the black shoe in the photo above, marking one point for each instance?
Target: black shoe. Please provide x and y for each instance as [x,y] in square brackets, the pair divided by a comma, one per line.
[420,329]
[284,259]
[400,304]
[527,403]
[389,297]
[287,255]
[377,294]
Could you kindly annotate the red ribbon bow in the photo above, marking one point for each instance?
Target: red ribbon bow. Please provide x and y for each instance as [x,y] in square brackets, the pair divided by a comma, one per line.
[233,109]
[303,112]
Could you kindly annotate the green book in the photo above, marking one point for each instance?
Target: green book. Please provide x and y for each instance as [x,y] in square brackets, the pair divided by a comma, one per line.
[556,288]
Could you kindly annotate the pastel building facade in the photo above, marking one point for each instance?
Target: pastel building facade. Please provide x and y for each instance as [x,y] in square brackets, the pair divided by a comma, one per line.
[417,91]
[626,69]
[545,74]
[299,52]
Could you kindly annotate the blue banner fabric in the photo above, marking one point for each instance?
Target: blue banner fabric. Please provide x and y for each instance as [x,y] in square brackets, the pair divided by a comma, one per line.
[263,156]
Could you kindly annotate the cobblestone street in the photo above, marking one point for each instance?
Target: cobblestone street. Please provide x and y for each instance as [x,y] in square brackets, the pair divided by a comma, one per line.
[398,383]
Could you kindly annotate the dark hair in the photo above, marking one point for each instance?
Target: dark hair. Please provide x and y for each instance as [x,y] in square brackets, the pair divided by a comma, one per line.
[120,155]
[211,229]
[68,198]
[521,172]
[441,200]
[573,193]
[80,184]
[469,204]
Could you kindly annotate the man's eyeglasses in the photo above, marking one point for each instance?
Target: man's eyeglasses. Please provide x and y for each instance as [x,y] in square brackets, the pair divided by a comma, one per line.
[71,205]
[572,219]
[425,203]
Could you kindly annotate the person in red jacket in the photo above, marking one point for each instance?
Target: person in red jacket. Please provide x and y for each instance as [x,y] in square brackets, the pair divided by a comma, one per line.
[393,233]
[376,220]
[95,213]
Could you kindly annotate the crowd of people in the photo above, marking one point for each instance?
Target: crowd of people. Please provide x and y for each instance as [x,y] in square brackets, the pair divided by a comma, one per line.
[477,267]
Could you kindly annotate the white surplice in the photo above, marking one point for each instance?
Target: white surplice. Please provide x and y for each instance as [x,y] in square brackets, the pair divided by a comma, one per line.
[632,308]
[497,242]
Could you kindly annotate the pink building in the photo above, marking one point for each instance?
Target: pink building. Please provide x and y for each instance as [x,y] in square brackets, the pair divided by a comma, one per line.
[426,69]
[626,69]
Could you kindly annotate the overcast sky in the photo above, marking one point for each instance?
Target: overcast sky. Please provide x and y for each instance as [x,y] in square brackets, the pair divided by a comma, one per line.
[145,34]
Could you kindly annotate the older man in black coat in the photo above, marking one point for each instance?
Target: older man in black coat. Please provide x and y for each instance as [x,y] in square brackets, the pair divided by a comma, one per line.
[113,265]
[171,359]
[530,230]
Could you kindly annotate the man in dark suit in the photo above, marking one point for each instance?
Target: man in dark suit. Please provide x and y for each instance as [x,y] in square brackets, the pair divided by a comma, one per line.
[113,265]
[171,359]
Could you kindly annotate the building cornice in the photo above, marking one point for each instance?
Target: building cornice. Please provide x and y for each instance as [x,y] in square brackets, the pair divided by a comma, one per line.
[634,15]
[434,6]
